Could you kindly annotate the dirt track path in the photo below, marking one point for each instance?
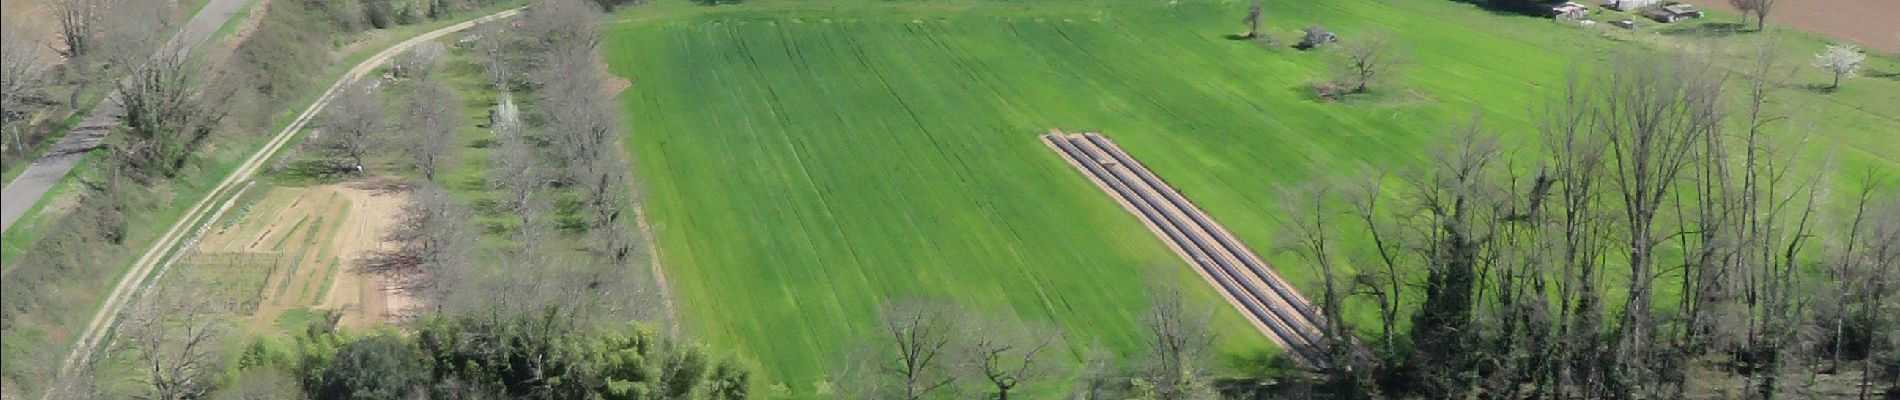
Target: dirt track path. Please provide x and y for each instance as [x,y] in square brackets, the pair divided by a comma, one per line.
[161,252]
[23,192]
[1279,312]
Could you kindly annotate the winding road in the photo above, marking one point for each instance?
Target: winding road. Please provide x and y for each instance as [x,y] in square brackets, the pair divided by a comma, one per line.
[23,192]
[190,224]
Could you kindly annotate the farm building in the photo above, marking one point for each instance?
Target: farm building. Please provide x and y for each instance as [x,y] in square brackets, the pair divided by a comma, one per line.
[1626,5]
[1569,10]
[1673,12]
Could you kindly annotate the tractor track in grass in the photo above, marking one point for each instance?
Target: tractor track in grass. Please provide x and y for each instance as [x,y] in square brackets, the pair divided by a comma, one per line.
[1281,313]
[183,232]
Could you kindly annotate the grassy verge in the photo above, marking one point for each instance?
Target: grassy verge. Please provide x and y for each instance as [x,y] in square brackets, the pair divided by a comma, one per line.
[33,225]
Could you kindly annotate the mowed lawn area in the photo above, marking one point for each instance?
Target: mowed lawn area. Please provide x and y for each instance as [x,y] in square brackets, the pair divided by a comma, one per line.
[802,163]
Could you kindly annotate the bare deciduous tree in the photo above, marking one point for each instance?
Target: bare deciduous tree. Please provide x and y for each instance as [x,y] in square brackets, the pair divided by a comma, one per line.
[1385,286]
[560,23]
[1253,20]
[19,80]
[1003,355]
[1879,255]
[434,240]
[176,335]
[1359,63]
[521,174]
[434,119]
[78,23]
[492,41]
[1456,202]
[1576,158]
[420,60]
[1310,232]
[354,125]
[1759,8]
[1179,339]
[1652,112]
[916,339]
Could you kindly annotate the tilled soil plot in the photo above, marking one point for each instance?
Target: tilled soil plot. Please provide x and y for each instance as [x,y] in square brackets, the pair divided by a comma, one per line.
[309,241]
[1871,23]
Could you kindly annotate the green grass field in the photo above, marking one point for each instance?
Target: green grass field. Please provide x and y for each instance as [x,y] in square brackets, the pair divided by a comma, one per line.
[804,162]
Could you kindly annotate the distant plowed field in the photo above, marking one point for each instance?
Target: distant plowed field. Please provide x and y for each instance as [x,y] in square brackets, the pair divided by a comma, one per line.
[1871,23]
[804,161]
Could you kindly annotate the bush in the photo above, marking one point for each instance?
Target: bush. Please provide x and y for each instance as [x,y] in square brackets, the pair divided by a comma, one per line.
[284,54]
[1316,36]
[381,367]
[379,13]
[1329,90]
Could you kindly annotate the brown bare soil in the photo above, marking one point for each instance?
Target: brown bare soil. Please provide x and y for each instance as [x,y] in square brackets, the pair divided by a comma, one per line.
[615,84]
[370,218]
[309,241]
[1871,23]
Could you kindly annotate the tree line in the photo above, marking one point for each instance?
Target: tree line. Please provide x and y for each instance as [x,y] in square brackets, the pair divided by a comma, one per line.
[929,348]
[1541,275]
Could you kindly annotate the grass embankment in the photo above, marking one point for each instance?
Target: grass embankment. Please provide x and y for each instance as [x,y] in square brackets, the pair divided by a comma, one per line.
[805,161]
[89,96]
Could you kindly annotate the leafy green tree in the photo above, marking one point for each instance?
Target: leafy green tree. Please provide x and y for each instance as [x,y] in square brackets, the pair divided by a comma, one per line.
[729,381]
[381,367]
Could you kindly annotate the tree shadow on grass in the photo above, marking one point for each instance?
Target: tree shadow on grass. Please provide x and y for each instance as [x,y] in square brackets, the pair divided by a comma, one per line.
[310,171]
[1818,88]
[1707,30]
[1521,9]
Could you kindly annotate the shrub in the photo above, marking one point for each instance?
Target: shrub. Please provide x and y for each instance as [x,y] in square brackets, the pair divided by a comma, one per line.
[381,367]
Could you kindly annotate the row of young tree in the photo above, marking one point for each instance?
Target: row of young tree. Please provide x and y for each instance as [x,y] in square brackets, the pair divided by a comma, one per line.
[565,153]
[538,320]
[546,316]
[1543,270]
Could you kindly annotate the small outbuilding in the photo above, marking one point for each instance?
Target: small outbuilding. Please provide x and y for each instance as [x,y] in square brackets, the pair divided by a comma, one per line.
[1627,5]
[1569,11]
[1673,12]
